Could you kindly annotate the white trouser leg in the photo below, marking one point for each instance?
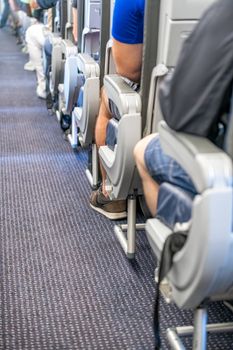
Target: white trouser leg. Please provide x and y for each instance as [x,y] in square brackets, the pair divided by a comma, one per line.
[35,40]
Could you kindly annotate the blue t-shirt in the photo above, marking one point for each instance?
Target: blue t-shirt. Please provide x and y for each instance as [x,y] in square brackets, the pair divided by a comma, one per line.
[128,21]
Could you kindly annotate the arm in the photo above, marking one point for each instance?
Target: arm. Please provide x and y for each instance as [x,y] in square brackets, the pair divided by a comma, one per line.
[75,24]
[127,32]
[128,59]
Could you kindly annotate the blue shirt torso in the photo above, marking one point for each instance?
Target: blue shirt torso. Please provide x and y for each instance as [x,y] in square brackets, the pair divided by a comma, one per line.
[128,21]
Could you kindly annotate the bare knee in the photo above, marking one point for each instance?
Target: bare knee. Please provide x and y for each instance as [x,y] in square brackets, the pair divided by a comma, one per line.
[103,118]
[139,152]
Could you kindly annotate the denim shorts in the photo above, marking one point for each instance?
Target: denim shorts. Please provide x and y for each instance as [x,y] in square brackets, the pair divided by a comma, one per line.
[163,168]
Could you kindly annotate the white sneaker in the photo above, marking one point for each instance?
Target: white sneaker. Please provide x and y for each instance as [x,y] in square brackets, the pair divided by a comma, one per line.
[24,50]
[40,92]
[29,66]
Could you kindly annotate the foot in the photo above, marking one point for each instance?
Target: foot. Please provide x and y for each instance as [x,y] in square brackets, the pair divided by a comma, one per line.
[24,50]
[49,101]
[18,41]
[29,66]
[40,92]
[66,134]
[112,209]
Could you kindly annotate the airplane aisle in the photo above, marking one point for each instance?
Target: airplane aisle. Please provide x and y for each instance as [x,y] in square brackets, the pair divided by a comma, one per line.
[65,282]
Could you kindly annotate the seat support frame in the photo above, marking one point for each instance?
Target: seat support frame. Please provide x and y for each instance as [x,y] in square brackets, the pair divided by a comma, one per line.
[199,331]
[93,175]
[127,240]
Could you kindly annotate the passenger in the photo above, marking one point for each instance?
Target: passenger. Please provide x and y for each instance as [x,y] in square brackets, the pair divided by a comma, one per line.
[35,38]
[16,25]
[39,39]
[127,33]
[19,12]
[195,99]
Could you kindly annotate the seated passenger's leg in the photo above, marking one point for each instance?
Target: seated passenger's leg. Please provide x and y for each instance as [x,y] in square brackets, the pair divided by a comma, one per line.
[17,26]
[100,201]
[47,55]
[5,14]
[150,187]
[35,41]
[155,168]
[100,131]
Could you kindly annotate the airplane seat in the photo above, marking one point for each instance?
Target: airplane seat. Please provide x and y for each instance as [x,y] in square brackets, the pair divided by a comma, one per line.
[91,30]
[72,83]
[85,113]
[62,47]
[128,124]
[176,21]
[84,63]
[66,49]
[88,92]
[202,269]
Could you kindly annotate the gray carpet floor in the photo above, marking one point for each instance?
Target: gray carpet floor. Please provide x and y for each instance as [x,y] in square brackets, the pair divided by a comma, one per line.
[64,280]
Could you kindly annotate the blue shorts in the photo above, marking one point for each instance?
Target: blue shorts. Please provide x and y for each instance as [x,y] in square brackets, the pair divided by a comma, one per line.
[163,168]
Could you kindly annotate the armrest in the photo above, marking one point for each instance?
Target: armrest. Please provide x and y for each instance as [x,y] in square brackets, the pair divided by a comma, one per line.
[124,97]
[157,233]
[109,67]
[68,48]
[87,65]
[55,39]
[207,165]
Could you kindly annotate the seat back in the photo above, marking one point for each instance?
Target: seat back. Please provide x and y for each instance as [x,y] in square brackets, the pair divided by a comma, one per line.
[86,114]
[92,17]
[57,66]
[69,22]
[91,29]
[177,20]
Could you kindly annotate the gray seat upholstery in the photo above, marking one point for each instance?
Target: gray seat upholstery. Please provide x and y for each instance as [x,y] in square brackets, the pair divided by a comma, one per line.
[91,30]
[62,50]
[119,162]
[83,117]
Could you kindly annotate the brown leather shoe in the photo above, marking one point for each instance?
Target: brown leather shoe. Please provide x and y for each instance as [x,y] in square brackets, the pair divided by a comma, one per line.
[112,209]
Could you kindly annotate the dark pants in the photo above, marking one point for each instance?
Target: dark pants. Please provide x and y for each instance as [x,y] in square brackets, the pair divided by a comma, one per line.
[5,14]
[47,61]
